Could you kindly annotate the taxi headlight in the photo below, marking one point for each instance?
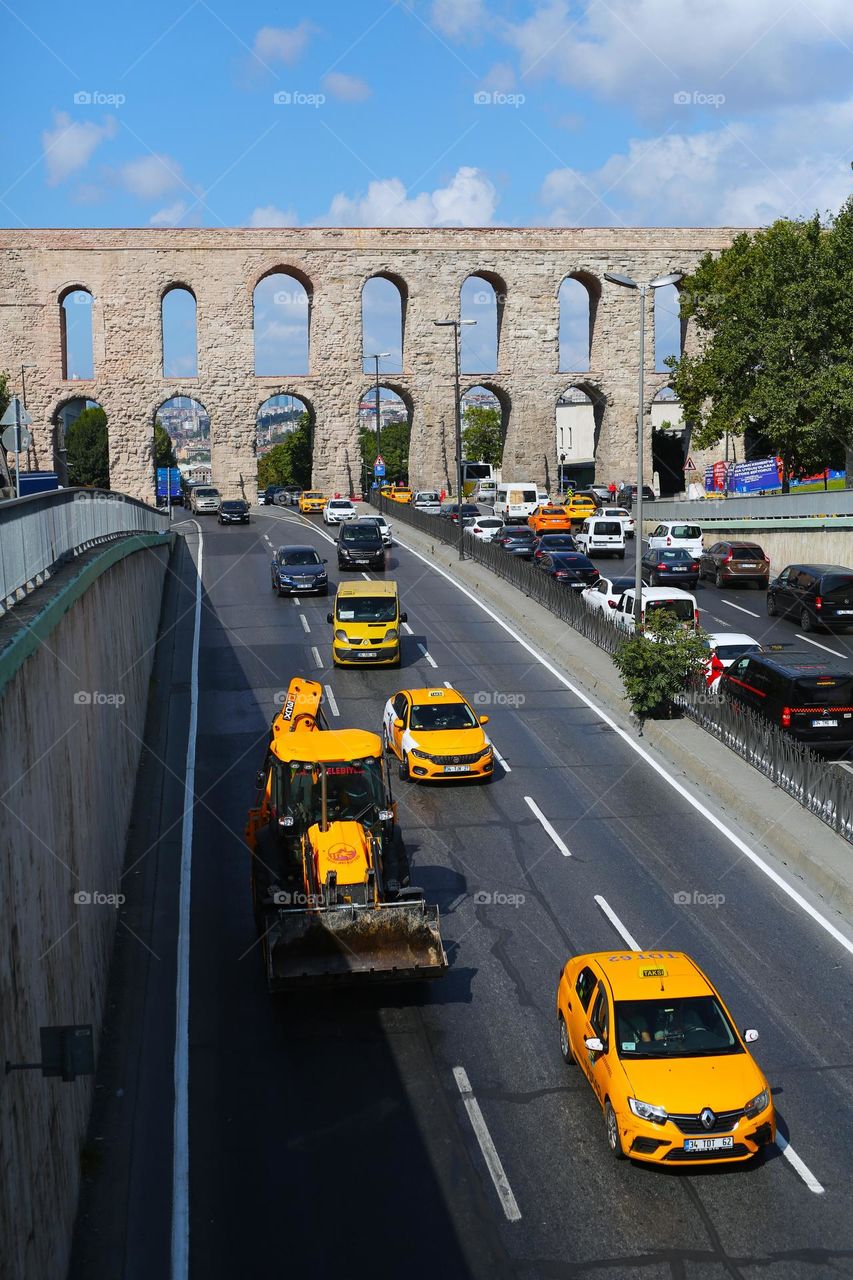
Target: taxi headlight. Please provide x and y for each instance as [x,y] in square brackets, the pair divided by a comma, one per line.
[421,755]
[392,634]
[646,1111]
[487,751]
[757,1104]
[341,635]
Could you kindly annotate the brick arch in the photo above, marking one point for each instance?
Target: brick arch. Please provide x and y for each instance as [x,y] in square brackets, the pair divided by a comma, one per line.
[402,288]
[594,391]
[57,448]
[283,268]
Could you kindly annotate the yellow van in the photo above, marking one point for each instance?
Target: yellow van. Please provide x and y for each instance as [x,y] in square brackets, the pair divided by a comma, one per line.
[367,622]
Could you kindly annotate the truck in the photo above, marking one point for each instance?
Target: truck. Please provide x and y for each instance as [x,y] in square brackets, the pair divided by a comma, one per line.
[169,486]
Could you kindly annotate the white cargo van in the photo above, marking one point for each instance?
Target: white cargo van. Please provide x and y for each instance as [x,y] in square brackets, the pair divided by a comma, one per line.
[517,500]
[675,601]
[599,536]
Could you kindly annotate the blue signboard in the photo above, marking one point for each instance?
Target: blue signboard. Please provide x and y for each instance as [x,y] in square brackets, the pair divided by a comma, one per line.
[168,482]
[379,468]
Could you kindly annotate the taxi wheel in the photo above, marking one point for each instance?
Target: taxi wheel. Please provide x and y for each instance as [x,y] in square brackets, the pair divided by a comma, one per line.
[404,769]
[614,1141]
[565,1043]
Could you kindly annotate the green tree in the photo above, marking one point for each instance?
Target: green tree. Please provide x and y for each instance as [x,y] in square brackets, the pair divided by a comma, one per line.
[164,454]
[394,447]
[88,451]
[4,393]
[655,663]
[776,310]
[482,435]
[290,461]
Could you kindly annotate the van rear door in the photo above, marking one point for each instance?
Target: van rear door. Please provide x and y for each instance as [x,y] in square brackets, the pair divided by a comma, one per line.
[821,708]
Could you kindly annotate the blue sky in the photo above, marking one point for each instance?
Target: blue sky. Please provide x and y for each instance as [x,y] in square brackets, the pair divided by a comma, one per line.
[425,112]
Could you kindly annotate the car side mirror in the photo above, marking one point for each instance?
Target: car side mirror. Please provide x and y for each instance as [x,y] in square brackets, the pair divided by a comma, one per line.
[325,561]
[750,1035]
[484,719]
[611,604]
[398,723]
[260,778]
[330,617]
[404,617]
[594,1044]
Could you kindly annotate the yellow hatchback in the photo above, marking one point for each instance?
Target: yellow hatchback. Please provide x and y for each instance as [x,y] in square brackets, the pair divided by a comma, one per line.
[311,500]
[435,734]
[578,508]
[664,1058]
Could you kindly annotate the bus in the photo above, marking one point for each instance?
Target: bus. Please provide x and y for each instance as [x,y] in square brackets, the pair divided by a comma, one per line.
[480,475]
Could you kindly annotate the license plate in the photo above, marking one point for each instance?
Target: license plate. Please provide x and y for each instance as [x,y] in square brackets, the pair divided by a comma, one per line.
[824,724]
[844,611]
[361,562]
[679,568]
[708,1144]
[369,653]
[456,768]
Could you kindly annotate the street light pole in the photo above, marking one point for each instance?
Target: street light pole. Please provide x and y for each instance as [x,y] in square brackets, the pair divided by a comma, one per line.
[455,325]
[642,289]
[381,355]
[24,368]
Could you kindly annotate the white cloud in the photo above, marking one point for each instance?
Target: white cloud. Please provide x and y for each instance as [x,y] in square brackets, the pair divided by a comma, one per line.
[70,144]
[469,200]
[280,44]
[456,18]
[170,216]
[151,176]
[346,88]
[268,215]
[500,78]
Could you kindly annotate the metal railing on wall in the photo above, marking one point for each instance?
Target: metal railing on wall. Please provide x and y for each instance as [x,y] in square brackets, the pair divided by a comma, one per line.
[42,532]
[819,786]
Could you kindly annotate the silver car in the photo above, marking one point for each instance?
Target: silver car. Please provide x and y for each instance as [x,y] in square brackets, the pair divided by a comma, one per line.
[205,500]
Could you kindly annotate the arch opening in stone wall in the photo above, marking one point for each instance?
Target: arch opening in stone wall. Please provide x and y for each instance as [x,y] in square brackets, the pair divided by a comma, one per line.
[485,411]
[482,299]
[670,442]
[178,332]
[68,468]
[668,326]
[281,322]
[577,300]
[384,297]
[186,423]
[578,419]
[396,411]
[75,319]
[284,440]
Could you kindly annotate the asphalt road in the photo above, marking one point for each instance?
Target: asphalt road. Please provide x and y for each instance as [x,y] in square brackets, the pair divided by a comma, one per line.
[329,1137]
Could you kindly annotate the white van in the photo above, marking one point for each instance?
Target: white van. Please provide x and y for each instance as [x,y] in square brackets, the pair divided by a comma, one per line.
[680,603]
[599,536]
[485,492]
[516,500]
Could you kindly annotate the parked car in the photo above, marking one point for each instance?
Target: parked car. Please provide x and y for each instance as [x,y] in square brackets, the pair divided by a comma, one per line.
[427,500]
[724,648]
[606,593]
[569,568]
[818,595]
[553,542]
[234,511]
[517,539]
[337,510]
[730,562]
[807,695]
[360,546]
[381,524]
[262,497]
[626,493]
[675,533]
[681,604]
[297,570]
[672,564]
[485,528]
[270,492]
[600,536]
[204,499]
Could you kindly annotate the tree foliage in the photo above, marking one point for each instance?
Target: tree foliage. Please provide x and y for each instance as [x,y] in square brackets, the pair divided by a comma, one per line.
[776,310]
[290,461]
[655,663]
[164,453]
[482,435]
[394,447]
[88,450]
[5,395]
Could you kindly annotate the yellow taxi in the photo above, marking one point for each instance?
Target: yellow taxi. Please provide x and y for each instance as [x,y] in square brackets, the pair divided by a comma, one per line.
[579,508]
[435,734]
[666,1062]
[312,500]
[548,519]
[397,493]
[367,621]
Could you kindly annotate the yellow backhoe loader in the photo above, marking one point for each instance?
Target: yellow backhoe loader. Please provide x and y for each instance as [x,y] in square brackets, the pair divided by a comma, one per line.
[330,879]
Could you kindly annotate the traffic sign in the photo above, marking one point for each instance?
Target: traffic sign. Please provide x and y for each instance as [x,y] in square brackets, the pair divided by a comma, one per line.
[688,466]
[15,415]
[379,461]
[379,468]
[16,439]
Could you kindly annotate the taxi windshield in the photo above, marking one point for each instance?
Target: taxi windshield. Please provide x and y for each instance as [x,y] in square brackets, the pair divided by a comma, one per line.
[686,1027]
[442,715]
[367,609]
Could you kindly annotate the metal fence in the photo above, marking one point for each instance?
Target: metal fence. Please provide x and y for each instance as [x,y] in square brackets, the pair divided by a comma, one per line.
[46,530]
[821,787]
[834,502]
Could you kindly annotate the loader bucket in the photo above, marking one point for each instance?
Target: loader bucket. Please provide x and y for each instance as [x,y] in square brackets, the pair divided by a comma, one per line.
[330,945]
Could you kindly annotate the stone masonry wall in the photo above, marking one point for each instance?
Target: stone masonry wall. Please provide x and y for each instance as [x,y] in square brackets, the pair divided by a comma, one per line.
[127,272]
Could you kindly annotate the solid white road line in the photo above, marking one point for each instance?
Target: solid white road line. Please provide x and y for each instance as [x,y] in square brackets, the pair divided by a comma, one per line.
[408,630]
[740,608]
[503,764]
[315,654]
[508,1201]
[802,1169]
[303,522]
[448,685]
[617,923]
[430,659]
[366,576]
[537,812]
[818,644]
[305,623]
[180,1254]
[693,801]
[330,698]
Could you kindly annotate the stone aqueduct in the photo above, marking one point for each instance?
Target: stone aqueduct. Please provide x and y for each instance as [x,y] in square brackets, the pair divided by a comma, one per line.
[127,273]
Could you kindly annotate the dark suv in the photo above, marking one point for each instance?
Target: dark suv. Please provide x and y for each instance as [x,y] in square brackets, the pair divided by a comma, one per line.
[360,546]
[817,595]
[809,697]
[626,494]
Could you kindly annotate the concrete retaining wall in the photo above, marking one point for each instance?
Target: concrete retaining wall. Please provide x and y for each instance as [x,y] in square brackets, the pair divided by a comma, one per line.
[788,544]
[73,713]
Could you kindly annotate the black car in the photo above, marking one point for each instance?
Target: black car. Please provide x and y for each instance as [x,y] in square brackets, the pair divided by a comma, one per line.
[270,493]
[298,570]
[553,542]
[817,595]
[626,493]
[670,565]
[470,511]
[570,568]
[804,694]
[234,511]
[517,539]
[360,546]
